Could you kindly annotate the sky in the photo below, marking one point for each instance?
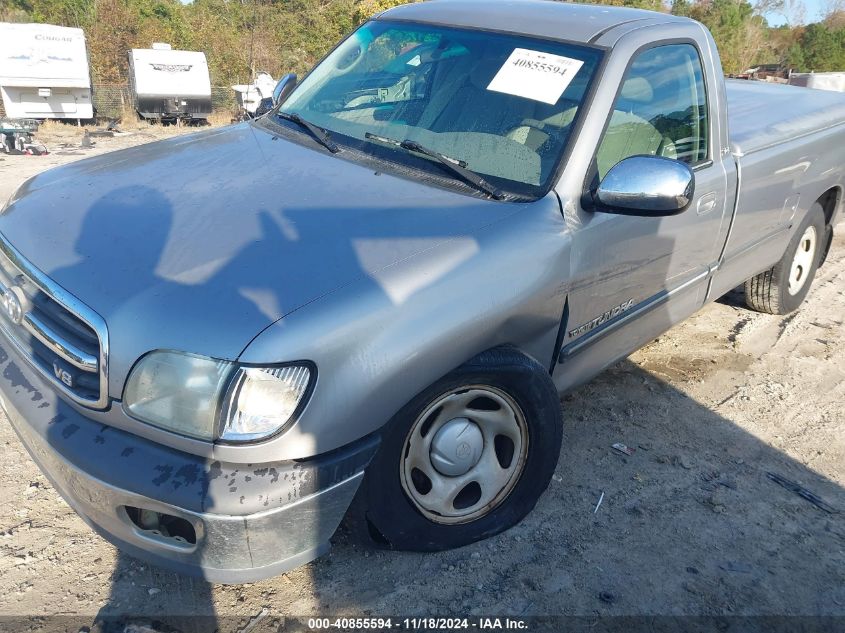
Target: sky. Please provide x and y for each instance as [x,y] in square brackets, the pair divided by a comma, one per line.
[813,12]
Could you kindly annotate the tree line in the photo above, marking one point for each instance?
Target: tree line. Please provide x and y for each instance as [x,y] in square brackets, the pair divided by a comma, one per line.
[241,37]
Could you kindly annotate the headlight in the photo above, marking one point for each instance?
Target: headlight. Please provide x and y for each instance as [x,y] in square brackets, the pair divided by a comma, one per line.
[212,399]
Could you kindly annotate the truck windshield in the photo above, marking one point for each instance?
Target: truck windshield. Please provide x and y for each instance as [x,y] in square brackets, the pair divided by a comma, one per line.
[502,106]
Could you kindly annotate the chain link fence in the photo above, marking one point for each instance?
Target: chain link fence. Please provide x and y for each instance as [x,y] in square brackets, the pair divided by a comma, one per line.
[223,99]
[112,101]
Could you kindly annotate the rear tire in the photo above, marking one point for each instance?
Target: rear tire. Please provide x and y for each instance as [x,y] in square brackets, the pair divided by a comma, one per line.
[782,288]
[503,410]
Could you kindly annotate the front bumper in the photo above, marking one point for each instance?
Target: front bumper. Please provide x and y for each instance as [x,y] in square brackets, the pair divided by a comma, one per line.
[251,521]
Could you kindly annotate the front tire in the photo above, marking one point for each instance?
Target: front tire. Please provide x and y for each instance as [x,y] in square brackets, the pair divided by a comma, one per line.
[782,288]
[466,459]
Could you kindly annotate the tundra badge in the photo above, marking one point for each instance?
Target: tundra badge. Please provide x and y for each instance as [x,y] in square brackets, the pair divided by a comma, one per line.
[603,318]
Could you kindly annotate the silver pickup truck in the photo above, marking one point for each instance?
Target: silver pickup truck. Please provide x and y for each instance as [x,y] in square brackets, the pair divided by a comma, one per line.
[367,301]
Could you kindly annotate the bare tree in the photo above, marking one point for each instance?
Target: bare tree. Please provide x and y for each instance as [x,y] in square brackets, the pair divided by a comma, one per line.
[794,12]
[833,13]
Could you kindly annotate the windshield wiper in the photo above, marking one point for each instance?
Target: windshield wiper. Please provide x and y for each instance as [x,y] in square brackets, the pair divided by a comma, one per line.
[321,135]
[457,167]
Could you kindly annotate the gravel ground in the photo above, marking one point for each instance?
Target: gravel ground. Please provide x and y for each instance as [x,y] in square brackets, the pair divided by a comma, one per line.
[689,524]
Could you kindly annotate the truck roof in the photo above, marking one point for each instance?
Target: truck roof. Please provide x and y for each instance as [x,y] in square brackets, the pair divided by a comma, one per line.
[539,18]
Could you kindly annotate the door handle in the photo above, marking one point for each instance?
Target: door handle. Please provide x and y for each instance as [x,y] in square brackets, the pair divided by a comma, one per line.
[706,203]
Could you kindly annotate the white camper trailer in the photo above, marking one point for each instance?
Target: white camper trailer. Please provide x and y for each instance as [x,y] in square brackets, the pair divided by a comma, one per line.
[170,85]
[44,72]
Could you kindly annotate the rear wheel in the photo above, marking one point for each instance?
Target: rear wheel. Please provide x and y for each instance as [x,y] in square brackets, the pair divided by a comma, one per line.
[782,288]
[466,459]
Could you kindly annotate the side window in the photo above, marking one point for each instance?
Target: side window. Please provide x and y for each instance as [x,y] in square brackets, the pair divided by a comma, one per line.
[661,109]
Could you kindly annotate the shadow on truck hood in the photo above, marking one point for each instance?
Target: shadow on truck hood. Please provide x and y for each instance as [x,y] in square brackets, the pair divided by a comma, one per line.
[198,243]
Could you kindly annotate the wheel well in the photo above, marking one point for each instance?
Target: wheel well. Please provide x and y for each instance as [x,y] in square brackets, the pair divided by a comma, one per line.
[830,200]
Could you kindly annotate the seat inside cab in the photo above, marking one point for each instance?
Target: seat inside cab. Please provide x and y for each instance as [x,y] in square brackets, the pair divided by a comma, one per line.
[628,133]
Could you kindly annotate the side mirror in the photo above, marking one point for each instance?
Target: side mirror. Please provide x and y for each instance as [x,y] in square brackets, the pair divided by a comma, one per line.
[283,88]
[651,186]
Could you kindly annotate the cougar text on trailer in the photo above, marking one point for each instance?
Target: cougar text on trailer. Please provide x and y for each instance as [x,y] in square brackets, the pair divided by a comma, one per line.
[44,72]
[170,85]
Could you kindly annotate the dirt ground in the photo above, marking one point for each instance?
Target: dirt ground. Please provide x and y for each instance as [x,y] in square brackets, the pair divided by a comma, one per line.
[67,143]
[689,524]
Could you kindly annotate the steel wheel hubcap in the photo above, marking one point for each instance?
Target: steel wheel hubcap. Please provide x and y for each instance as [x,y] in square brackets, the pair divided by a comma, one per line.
[464,454]
[456,448]
[803,260]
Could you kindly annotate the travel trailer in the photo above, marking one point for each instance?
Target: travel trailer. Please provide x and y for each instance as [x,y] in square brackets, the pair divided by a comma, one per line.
[170,85]
[44,72]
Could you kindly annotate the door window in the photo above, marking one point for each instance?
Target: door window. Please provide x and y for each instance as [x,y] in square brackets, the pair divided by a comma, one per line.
[660,111]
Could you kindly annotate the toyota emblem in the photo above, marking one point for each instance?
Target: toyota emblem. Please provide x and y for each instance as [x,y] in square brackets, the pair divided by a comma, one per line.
[12,306]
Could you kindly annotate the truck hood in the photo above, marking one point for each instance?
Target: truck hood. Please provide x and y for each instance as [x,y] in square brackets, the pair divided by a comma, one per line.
[197,243]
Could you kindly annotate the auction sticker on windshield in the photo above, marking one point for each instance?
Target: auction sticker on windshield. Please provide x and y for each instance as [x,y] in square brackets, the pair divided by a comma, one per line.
[535,75]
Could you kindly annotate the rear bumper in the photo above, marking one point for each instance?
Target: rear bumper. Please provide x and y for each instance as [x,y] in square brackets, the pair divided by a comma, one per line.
[252,521]
[159,107]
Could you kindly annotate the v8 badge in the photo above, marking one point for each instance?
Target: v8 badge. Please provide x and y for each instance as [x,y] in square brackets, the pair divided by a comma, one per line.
[62,374]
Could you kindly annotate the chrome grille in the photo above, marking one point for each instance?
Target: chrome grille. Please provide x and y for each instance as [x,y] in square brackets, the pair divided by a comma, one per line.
[60,336]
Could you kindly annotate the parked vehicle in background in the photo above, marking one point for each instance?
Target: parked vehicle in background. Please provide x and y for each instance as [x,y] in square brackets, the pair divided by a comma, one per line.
[169,85]
[250,96]
[370,298]
[16,137]
[820,81]
[44,72]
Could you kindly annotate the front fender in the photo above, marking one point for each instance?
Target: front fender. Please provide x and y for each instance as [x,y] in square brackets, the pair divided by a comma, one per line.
[379,342]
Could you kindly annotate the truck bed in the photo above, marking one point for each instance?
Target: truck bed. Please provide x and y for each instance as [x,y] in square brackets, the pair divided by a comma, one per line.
[761,114]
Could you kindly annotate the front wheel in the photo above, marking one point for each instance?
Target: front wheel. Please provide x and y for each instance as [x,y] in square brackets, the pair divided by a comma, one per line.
[466,459]
[782,288]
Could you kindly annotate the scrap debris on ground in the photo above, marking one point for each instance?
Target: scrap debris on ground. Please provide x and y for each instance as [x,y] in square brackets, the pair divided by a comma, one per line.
[17,138]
